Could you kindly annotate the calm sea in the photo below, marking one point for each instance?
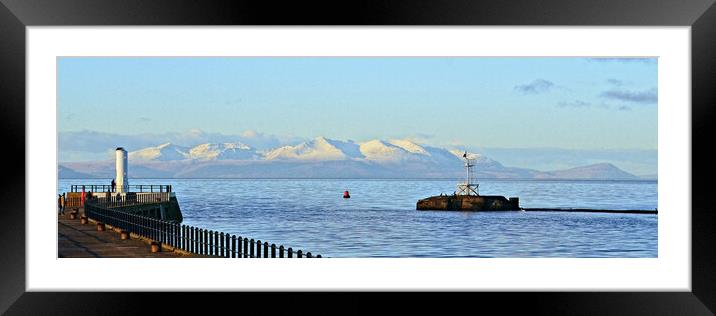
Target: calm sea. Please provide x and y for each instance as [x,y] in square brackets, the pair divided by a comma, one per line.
[380,220]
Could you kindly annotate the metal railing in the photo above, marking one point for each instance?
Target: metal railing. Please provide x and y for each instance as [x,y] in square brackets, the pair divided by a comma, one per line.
[74,200]
[187,238]
[132,188]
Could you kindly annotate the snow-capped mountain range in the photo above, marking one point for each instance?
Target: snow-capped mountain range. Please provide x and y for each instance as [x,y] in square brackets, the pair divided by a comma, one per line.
[321,158]
[318,149]
[170,152]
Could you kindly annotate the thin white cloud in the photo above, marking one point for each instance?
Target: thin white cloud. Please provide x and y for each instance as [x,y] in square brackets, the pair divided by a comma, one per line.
[535,87]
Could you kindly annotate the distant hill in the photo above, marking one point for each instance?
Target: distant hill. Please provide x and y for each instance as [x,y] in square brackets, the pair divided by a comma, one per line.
[321,158]
[67,173]
[601,171]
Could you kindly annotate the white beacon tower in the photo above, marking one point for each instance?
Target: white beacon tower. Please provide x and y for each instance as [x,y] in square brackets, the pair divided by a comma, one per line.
[121,167]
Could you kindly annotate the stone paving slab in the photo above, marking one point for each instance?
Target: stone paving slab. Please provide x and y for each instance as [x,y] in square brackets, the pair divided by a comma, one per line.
[75,240]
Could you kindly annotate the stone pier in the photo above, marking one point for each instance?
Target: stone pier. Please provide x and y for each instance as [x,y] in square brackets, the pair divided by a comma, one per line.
[77,240]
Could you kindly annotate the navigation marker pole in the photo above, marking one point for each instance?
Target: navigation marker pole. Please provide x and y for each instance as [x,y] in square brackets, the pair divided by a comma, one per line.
[468,187]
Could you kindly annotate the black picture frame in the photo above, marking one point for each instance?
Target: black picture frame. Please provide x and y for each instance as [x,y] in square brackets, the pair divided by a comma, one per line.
[16,15]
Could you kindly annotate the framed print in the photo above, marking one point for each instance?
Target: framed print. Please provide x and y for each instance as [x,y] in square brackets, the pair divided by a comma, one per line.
[463,147]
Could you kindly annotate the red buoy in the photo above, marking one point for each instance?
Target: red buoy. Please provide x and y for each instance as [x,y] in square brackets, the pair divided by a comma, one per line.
[346,195]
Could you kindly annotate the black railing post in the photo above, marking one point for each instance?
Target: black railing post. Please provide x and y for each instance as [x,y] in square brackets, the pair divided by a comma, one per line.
[177,236]
[211,242]
[183,237]
[228,248]
[216,244]
[258,248]
[308,255]
[266,249]
[190,239]
[299,254]
[239,252]
[290,252]
[273,250]
[174,234]
[199,235]
[155,233]
[246,247]
[252,244]
[222,244]
[170,233]
[150,228]
[280,251]
[206,242]
[202,246]
[194,239]
[165,232]
[233,246]
[158,229]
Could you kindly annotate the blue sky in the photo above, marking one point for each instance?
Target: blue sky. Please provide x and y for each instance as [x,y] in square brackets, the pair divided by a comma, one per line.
[572,103]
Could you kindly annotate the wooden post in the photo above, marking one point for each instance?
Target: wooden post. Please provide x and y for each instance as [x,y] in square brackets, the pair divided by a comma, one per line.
[233,246]
[156,246]
[258,248]
[273,250]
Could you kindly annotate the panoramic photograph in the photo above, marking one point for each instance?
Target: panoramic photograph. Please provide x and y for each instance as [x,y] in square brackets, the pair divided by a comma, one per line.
[357,157]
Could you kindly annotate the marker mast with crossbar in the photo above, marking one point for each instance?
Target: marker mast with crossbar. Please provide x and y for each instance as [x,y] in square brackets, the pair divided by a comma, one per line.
[470,186]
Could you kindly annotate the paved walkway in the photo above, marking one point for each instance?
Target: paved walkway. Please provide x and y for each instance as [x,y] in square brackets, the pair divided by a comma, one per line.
[75,240]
